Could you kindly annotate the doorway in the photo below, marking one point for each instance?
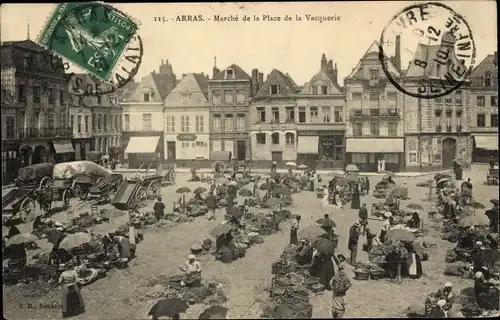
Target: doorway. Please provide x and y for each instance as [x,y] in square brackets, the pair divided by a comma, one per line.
[241,149]
[38,155]
[170,151]
[277,156]
[449,150]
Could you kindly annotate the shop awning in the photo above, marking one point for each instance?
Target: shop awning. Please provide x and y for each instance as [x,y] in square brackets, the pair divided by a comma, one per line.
[375,145]
[61,147]
[142,145]
[486,141]
[308,144]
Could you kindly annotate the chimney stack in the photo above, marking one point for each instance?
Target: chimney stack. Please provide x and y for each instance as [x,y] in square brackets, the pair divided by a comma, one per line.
[261,79]
[161,61]
[335,73]
[255,81]
[398,53]
[215,71]
[329,68]
[323,62]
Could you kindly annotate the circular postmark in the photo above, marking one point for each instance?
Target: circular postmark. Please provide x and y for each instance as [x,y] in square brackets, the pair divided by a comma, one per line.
[438,44]
[99,39]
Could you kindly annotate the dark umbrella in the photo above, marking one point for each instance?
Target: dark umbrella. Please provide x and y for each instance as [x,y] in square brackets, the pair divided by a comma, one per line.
[200,190]
[324,246]
[477,205]
[168,307]
[245,192]
[415,206]
[214,312]
[400,235]
[265,186]
[441,182]
[183,190]
[221,229]
[326,222]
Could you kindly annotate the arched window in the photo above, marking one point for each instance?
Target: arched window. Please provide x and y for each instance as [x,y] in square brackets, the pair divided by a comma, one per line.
[289,138]
[275,138]
[487,79]
[261,138]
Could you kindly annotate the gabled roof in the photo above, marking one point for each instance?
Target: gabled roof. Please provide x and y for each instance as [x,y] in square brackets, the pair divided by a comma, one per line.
[164,83]
[125,92]
[25,44]
[148,81]
[286,85]
[374,48]
[239,74]
[190,88]
[325,78]
[488,64]
[422,53]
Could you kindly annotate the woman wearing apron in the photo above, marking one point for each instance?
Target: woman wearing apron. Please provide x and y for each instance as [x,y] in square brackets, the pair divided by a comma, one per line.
[72,301]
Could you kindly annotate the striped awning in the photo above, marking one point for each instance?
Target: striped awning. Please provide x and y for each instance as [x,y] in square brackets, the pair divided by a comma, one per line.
[64,146]
[142,145]
[308,144]
[486,141]
[374,145]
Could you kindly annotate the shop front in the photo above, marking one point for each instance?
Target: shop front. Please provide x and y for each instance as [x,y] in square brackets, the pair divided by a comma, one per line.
[63,150]
[321,149]
[143,152]
[485,147]
[366,153]
[11,161]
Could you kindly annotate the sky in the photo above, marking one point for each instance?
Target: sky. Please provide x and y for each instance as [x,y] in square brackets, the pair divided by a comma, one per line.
[289,46]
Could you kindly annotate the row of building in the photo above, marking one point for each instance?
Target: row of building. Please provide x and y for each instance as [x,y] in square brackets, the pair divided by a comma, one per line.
[320,123]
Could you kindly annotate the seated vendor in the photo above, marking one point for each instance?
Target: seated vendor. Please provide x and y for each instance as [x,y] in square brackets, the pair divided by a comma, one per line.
[483,292]
[446,293]
[303,252]
[198,197]
[192,271]
[414,222]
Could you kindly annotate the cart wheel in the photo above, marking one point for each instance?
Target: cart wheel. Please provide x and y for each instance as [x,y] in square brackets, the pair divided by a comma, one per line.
[80,192]
[45,182]
[27,210]
[141,197]
[66,198]
[98,180]
[154,189]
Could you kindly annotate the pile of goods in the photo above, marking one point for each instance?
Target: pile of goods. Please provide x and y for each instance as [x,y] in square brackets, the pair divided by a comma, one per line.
[381,188]
[378,253]
[453,233]
[471,309]
[371,270]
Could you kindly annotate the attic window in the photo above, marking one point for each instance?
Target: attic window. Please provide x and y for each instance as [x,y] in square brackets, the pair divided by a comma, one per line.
[487,79]
[146,97]
[185,96]
[374,75]
[314,90]
[324,89]
[275,89]
[229,74]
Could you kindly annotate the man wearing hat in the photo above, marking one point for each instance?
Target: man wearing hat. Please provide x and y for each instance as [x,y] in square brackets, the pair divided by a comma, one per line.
[192,271]
[482,291]
[446,293]
[353,241]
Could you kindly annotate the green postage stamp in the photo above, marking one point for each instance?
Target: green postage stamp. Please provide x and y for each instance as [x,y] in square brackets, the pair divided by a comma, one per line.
[92,35]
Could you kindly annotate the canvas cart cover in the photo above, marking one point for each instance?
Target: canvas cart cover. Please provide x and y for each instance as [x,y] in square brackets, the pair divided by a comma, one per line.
[68,170]
[94,156]
[220,155]
[35,172]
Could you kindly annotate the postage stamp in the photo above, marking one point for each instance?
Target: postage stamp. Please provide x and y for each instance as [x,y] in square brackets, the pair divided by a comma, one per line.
[438,45]
[91,35]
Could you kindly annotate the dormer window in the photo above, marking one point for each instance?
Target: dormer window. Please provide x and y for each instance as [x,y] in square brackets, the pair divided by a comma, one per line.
[146,97]
[229,74]
[314,90]
[275,89]
[374,75]
[324,89]
[185,96]
[487,79]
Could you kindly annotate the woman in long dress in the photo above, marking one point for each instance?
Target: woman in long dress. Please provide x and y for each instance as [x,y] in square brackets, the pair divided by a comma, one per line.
[355,202]
[72,301]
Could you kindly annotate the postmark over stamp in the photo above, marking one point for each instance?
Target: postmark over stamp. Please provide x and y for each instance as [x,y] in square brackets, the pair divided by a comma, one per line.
[440,47]
[93,36]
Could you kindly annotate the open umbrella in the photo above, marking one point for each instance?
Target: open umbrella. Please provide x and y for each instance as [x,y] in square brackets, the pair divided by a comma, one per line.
[302,166]
[168,307]
[273,202]
[74,240]
[21,238]
[311,232]
[400,235]
[326,222]
[440,183]
[324,246]
[282,190]
[477,205]
[245,192]
[200,190]
[474,220]
[183,190]
[266,186]
[351,168]
[291,164]
[214,312]
[387,172]
[415,206]
[221,229]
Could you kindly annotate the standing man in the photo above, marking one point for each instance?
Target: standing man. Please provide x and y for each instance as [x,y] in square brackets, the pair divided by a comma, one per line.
[382,165]
[340,284]
[293,231]
[211,205]
[159,209]
[379,165]
[363,217]
[492,162]
[353,242]
[273,166]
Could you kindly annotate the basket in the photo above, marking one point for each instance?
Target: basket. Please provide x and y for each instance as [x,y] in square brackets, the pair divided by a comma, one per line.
[376,275]
[175,282]
[226,257]
[122,264]
[361,275]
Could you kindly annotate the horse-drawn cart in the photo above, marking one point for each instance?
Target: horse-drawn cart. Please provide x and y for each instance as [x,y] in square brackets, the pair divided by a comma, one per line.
[103,188]
[492,176]
[136,191]
[22,201]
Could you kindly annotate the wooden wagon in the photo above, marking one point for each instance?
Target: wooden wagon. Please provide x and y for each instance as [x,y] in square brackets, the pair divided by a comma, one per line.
[103,188]
[22,201]
[492,176]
